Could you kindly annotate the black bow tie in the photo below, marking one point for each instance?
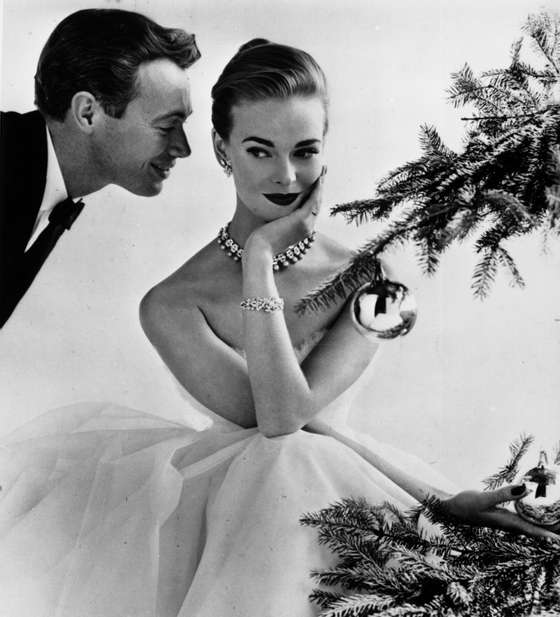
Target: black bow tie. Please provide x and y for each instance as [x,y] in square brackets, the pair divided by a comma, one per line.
[61,218]
[64,214]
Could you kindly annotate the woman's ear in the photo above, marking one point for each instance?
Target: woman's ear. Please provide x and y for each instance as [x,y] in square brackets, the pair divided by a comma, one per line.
[220,148]
[220,151]
[84,110]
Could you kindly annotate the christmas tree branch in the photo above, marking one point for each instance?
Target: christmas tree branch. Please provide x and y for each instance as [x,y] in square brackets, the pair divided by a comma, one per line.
[506,179]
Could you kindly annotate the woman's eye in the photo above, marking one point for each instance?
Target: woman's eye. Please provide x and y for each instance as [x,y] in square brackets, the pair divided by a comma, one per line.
[307,153]
[258,153]
[166,129]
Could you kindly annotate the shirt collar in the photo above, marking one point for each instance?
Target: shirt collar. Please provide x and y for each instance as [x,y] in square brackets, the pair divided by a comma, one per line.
[55,189]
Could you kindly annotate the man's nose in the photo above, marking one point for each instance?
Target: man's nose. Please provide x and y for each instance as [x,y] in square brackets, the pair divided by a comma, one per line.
[179,147]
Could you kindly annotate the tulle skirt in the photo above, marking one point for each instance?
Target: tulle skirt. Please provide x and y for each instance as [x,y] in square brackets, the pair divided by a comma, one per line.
[110,512]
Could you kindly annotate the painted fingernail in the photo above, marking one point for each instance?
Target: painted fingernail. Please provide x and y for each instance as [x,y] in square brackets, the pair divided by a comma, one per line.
[518,490]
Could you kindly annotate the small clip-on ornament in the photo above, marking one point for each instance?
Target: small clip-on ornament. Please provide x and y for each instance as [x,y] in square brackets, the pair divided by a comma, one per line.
[542,506]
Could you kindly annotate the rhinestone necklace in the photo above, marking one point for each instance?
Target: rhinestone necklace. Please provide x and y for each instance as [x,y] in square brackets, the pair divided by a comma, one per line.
[282,260]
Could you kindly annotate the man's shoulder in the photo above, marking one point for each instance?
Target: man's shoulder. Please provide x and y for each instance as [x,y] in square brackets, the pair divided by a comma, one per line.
[23,159]
[23,133]
[31,120]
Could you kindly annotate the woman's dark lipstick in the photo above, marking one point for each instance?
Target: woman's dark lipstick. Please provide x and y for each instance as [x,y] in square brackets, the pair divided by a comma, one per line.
[282,199]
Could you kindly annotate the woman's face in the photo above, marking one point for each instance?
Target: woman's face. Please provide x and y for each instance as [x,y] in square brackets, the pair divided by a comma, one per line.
[276,152]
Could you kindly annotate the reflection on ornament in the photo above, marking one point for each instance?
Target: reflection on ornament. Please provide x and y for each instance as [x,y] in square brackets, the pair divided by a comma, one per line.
[384,310]
[542,505]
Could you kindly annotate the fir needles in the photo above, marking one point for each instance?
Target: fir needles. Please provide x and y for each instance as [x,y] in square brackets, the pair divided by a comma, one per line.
[504,184]
[387,566]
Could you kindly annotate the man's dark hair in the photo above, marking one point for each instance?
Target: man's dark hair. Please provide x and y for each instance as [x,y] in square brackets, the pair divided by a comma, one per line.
[99,51]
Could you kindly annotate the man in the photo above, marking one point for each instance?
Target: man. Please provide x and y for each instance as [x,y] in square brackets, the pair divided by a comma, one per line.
[112,96]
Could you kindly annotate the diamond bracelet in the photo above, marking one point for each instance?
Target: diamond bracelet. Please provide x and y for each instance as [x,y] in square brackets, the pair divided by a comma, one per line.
[262,304]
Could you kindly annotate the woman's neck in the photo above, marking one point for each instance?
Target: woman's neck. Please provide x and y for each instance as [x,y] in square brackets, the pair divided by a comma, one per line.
[243,224]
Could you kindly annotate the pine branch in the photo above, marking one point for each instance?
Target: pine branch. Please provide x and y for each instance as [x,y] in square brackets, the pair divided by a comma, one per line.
[541,30]
[389,567]
[427,255]
[502,116]
[509,471]
[366,209]
[364,267]
[506,178]
[359,605]
[432,144]
[466,88]
[485,272]
[507,260]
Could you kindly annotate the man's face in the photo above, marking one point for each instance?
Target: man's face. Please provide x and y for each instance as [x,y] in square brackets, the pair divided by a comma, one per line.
[137,150]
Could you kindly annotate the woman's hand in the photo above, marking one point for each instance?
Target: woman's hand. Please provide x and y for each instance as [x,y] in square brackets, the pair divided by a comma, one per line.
[476,508]
[277,235]
[482,509]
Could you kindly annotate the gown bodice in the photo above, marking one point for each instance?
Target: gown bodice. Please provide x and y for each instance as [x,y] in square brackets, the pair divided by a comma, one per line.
[336,412]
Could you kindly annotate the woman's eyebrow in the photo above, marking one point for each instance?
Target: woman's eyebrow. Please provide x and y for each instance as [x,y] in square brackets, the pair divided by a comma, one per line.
[266,142]
[307,142]
[259,140]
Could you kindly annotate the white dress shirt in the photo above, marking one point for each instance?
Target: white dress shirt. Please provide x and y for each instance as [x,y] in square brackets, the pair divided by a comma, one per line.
[55,191]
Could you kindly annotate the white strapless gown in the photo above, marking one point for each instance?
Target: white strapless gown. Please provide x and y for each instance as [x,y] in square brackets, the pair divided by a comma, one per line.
[110,512]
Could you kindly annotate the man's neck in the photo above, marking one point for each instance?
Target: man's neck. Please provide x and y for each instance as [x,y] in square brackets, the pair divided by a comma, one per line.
[79,175]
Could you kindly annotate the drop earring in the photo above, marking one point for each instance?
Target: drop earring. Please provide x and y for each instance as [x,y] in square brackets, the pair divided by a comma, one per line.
[226,166]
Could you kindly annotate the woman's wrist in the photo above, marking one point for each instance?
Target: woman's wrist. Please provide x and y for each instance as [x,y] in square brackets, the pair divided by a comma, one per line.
[257,252]
[258,275]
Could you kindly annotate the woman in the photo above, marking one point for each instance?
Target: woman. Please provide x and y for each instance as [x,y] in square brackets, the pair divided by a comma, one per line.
[110,512]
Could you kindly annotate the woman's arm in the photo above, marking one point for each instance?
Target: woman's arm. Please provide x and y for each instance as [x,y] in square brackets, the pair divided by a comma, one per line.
[287,396]
[218,376]
[475,508]
[209,369]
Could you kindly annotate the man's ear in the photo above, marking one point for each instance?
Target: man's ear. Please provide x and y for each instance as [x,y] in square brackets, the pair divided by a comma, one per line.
[85,111]
[220,148]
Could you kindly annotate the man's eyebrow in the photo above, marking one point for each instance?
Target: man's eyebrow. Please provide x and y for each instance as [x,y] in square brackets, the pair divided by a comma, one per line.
[182,115]
[266,142]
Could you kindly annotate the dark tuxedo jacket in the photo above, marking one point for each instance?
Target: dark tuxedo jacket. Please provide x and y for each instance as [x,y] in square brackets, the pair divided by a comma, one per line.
[23,171]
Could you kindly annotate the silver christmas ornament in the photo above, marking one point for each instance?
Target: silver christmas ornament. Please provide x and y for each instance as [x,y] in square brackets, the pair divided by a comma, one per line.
[383,310]
[542,505]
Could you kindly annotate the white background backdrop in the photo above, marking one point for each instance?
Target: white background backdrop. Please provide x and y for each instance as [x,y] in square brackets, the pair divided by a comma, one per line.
[470,377]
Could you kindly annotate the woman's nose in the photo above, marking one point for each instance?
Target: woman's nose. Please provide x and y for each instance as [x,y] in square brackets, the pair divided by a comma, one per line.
[284,172]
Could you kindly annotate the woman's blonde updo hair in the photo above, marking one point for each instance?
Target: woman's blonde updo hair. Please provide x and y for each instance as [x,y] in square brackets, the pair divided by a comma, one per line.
[262,70]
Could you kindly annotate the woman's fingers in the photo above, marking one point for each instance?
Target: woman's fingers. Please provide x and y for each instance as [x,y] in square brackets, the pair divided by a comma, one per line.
[482,509]
[468,503]
[509,521]
[488,499]
[292,228]
[312,204]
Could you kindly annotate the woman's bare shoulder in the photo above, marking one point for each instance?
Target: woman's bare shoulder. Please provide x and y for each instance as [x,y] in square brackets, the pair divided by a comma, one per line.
[337,251]
[183,291]
[330,254]
[338,256]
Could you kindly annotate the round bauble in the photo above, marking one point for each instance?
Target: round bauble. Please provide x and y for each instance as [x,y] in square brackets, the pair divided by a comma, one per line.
[384,309]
